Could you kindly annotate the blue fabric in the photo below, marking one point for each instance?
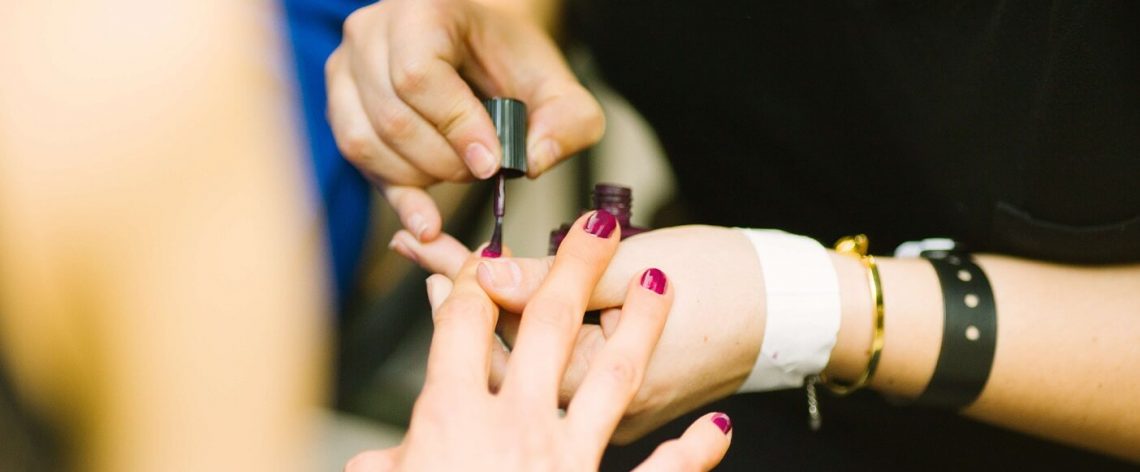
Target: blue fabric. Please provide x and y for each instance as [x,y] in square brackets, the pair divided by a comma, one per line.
[314,31]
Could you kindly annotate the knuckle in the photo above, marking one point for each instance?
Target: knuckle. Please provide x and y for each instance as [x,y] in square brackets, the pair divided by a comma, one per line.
[355,144]
[397,122]
[455,118]
[431,408]
[623,372]
[332,64]
[595,121]
[358,23]
[464,307]
[410,76]
[554,312]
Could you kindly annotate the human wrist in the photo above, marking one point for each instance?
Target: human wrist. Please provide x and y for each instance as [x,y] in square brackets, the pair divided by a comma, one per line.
[801,311]
[912,333]
[852,350]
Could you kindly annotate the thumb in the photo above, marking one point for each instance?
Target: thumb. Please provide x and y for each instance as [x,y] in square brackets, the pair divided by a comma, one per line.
[565,119]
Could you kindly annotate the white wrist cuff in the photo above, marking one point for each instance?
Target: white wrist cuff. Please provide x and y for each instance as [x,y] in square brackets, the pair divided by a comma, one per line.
[803,310]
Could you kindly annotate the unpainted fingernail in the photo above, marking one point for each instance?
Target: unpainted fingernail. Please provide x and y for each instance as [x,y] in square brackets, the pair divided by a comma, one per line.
[418,225]
[401,248]
[545,153]
[600,224]
[480,160]
[722,421]
[503,273]
[655,280]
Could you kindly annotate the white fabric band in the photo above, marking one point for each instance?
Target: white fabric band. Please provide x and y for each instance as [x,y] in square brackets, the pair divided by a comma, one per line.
[803,310]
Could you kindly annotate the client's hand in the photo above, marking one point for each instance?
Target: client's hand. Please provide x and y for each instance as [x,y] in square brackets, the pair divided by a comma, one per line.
[708,346]
[459,424]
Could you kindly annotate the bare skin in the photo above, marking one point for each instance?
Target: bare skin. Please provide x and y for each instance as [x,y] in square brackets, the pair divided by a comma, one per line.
[459,423]
[161,286]
[1065,367]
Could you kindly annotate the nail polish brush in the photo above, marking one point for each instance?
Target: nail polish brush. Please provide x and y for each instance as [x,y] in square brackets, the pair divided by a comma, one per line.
[509,118]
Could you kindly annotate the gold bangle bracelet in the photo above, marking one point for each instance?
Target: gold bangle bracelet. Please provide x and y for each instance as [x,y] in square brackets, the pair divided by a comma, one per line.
[856,246]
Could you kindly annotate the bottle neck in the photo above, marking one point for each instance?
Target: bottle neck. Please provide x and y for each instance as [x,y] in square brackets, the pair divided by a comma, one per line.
[615,200]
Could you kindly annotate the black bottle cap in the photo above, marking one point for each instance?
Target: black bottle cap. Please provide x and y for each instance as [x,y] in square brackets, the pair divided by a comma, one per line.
[509,117]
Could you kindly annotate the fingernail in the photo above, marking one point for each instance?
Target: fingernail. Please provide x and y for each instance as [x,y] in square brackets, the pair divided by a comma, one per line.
[723,422]
[417,225]
[545,153]
[601,224]
[654,279]
[502,273]
[402,248]
[480,160]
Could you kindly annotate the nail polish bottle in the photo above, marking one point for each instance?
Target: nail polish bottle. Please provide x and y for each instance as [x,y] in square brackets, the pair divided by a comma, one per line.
[614,199]
[509,117]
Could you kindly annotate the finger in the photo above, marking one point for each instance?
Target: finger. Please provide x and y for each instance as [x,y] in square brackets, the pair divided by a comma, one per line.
[374,461]
[512,282]
[398,125]
[700,448]
[551,320]
[499,358]
[609,321]
[565,119]
[355,137]
[616,373]
[459,355]
[445,255]
[438,288]
[424,75]
[417,210]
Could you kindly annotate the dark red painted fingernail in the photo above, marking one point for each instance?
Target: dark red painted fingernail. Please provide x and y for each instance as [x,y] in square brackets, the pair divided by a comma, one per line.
[601,224]
[723,422]
[655,280]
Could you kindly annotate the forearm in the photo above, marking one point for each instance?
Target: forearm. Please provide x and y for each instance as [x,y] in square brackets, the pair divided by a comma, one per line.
[1067,363]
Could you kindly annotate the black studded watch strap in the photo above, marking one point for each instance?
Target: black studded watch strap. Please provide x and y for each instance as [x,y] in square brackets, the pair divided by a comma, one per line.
[969,334]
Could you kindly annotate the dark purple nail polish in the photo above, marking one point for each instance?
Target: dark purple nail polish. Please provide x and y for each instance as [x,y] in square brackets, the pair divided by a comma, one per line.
[654,279]
[491,252]
[601,224]
[722,421]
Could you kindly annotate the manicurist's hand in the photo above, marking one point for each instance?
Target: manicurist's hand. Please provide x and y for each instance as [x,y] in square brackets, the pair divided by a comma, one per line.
[715,326]
[403,88]
[459,423]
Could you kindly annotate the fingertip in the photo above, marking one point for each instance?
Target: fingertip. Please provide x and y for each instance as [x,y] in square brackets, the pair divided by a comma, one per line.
[601,224]
[653,279]
[543,155]
[722,422]
[438,288]
[417,211]
[403,243]
[480,160]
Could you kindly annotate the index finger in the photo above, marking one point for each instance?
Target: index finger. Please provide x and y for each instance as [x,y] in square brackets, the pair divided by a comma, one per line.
[464,330]
[551,320]
[425,77]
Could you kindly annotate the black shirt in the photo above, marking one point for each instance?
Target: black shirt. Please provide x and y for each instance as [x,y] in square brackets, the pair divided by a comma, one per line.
[1011,126]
